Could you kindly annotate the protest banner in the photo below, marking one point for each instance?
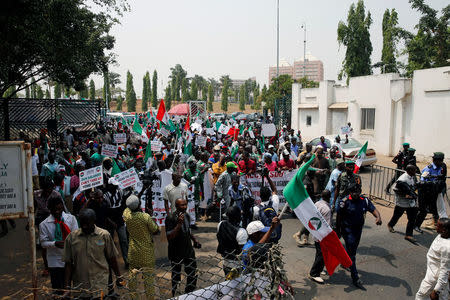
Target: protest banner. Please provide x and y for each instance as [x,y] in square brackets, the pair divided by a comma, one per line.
[163,179]
[280,179]
[164,131]
[201,141]
[120,138]
[156,146]
[268,129]
[190,200]
[109,150]
[346,130]
[127,178]
[91,178]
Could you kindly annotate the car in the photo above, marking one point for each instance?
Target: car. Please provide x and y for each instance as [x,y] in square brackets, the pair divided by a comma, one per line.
[217,116]
[235,114]
[350,149]
[241,117]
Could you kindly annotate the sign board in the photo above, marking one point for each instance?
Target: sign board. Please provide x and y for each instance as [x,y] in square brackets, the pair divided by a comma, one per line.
[109,150]
[91,178]
[164,131]
[15,180]
[156,146]
[268,130]
[120,138]
[201,141]
[127,178]
[210,131]
[280,179]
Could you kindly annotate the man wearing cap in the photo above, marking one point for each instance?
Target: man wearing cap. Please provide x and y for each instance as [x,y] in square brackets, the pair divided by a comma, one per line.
[435,175]
[350,221]
[344,181]
[399,161]
[286,163]
[272,153]
[410,159]
[224,182]
[257,234]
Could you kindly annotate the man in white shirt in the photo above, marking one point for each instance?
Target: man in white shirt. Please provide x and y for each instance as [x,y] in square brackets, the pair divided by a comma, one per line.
[172,192]
[34,168]
[52,233]
[267,195]
[435,284]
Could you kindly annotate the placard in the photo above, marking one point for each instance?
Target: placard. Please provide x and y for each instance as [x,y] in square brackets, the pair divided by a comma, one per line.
[120,138]
[91,178]
[252,135]
[268,129]
[200,141]
[164,131]
[210,131]
[109,150]
[346,130]
[127,178]
[156,146]
[280,179]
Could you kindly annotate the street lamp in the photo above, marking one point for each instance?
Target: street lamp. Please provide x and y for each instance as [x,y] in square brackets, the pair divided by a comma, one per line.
[304,49]
[278,36]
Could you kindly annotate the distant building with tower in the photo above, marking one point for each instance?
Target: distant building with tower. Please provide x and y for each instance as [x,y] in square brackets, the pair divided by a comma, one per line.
[311,67]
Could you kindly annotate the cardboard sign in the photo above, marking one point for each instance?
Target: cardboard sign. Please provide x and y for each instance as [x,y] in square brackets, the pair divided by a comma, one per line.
[156,146]
[268,130]
[164,131]
[210,131]
[91,178]
[200,141]
[109,150]
[345,130]
[127,178]
[280,179]
[196,127]
[120,138]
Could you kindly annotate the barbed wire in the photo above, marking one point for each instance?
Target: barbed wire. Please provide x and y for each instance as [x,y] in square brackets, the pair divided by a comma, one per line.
[263,277]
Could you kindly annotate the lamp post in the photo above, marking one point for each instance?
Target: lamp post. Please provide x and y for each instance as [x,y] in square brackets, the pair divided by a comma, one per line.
[304,49]
[278,36]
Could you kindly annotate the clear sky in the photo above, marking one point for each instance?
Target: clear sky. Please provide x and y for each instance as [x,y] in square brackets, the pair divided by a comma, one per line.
[238,37]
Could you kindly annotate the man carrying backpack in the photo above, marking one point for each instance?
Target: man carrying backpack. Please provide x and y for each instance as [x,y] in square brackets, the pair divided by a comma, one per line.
[268,208]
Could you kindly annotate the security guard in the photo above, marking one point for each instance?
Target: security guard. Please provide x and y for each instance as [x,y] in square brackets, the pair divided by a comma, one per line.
[431,191]
[344,181]
[350,221]
[399,161]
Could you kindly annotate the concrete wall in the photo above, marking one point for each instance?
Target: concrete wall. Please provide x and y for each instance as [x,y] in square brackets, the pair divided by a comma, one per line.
[415,111]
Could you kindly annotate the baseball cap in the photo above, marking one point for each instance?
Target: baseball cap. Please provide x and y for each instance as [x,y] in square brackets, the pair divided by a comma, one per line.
[285,152]
[271,146]
[216,148]
[231,164]
[256,226]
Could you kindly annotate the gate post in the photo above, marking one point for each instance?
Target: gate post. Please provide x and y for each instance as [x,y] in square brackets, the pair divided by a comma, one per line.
[6,127]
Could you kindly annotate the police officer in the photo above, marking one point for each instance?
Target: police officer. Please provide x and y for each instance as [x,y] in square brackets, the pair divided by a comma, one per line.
[431,191]
[410,159]
[350,221]
[399,161]
[344,181]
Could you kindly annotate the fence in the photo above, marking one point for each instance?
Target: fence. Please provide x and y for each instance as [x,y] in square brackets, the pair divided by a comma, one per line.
[19,116]
[263,278]
[383,178]
[282,112]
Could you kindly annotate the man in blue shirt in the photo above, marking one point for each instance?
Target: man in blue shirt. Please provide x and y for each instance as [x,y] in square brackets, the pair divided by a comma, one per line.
[350,221]
[431,191]
[294,146]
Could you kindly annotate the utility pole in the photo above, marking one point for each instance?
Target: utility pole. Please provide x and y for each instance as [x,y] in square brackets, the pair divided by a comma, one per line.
[278,36]
[304,49]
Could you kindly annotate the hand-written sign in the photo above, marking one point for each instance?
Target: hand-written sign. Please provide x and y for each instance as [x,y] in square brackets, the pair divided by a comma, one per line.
[156,146]
[109,150]
[91,178]
[127,178]
[268,129]
[201,141]
[120,138]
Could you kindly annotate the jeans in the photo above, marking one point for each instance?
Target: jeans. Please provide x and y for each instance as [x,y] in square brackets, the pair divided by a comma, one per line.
[123,241]
[190,267]
[318,264]
[57,279]
[411,213]
[351,245]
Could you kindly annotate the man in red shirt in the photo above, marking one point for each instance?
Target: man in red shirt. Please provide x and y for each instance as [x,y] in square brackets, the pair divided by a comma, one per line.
[286,163]
[246,165]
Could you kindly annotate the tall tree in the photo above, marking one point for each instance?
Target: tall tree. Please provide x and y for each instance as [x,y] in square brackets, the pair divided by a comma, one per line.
[242,93]
[130,95]
[47,94]
[62,40]
[210,97]
[154,89]
[27,92]
[33,88]
[114,81]
[177,76]
[106,88]
[91,89]
[168,97]
[390,38]
[11,92]
[281,87]
[205,93]
[194,90]
[119,103]
[255,96]
[146,91]
[355,37]
[430,47]
[185,96]
[57,90]
[39,92]
[225,86]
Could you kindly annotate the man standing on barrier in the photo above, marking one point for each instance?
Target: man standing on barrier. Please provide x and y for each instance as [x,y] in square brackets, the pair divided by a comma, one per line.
[181,251]
[431,189]
[399,161]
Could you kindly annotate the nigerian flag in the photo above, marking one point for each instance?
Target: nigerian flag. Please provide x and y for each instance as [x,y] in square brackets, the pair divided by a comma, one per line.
[360,157]
[188,145]
[139,131]
[298,199]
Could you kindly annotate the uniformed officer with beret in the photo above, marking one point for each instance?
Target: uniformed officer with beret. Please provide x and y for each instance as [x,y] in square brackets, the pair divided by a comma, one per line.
[344,180]
[350,221]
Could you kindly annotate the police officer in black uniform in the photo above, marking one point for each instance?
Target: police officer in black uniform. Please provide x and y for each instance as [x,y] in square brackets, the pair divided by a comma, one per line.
[350,221]
[399,161]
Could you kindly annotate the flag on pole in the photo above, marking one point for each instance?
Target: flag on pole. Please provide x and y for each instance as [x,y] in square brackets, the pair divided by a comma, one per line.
[298,199]
[187,126]
[218,124]
[148,152]
[360,157]
[115,168]
[188,146]
[138,130]
[162,115]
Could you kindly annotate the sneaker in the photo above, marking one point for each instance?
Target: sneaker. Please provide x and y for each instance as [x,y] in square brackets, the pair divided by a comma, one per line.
[323,273]
[418,229]
[316,279]
[358,283]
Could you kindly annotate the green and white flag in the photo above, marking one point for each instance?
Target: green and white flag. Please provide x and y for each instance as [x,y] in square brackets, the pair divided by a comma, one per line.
[139,131]
[360,157]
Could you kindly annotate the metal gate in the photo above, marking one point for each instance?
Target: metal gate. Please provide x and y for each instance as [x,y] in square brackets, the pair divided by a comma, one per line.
[197,107]
[282,112]
[20,116]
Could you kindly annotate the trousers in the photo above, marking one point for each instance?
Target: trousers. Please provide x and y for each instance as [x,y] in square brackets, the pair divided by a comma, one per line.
[318,264]
[123,241]
[351,245]
[426,287]
[440,205]
[190,267]
[411,213]
[57,278]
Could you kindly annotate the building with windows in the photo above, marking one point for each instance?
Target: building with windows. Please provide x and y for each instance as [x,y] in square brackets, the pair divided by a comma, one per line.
[311,67]
[386,110]
[237,83]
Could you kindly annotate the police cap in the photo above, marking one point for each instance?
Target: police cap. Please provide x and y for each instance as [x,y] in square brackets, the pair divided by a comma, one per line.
[438,155]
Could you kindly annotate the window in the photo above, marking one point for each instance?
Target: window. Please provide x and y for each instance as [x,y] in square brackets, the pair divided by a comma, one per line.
[308,120]
[367,118]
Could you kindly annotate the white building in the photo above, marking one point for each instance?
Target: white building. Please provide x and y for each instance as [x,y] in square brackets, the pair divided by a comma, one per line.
[385,109]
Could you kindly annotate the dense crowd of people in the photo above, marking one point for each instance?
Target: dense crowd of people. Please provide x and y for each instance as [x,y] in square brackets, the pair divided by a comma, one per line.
[198,172]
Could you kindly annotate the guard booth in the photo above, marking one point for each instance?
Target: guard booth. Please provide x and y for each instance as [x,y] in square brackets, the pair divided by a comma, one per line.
[20,116]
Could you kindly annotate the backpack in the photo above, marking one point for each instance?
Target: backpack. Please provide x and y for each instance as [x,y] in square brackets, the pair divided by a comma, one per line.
[266,214]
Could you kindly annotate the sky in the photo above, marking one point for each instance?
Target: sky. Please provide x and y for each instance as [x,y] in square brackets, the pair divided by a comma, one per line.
[238,37]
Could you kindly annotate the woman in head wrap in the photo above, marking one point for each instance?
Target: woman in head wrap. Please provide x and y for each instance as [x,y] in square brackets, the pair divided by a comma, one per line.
[141,228]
